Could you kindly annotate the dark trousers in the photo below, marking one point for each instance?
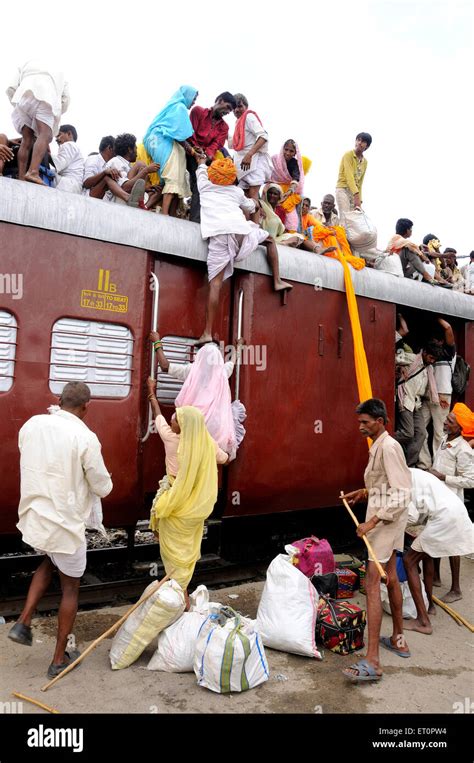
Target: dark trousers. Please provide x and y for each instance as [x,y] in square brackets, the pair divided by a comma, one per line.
[411,433]
[195,212]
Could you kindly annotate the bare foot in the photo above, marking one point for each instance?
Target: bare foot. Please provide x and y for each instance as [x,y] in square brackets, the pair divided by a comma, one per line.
[204,338]
[33,177]
[432,609]
[416,625]
[437,582]
[451,596]
[281,285]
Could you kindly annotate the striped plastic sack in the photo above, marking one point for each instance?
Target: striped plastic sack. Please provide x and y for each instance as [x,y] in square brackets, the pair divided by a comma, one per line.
[229,654]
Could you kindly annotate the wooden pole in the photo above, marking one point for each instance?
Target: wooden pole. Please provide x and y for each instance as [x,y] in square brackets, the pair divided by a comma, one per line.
[455,615]
[104,635]
[380,569]
[35,702]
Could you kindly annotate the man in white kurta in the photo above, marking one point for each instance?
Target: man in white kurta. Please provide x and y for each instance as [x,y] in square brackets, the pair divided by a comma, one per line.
[251,156]
[447,531]
[69,162]
[62,472]
[40,96]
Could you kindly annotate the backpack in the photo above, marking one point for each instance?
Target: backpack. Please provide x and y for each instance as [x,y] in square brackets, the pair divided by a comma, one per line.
[460,375]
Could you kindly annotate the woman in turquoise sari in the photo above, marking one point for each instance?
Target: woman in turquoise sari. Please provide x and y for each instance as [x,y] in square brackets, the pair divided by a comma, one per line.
[165,141]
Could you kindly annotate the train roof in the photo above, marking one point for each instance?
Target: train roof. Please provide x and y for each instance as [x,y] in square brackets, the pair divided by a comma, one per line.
[50,209]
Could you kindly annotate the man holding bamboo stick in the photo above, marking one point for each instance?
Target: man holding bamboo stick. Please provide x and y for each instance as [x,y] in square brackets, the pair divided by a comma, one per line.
[387,491]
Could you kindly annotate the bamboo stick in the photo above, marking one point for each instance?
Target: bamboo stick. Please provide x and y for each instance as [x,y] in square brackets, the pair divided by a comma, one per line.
[455,615]
[34,702]
[104,635]
[380,569]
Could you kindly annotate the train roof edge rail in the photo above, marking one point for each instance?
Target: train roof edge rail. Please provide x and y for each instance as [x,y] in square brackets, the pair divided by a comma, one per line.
[31,205]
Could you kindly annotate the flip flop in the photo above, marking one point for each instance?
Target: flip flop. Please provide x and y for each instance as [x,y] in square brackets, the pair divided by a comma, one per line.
[385,642]
[367,672]
[137,193]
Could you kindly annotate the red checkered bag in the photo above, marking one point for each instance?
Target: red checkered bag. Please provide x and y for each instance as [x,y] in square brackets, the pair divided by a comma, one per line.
[340,626]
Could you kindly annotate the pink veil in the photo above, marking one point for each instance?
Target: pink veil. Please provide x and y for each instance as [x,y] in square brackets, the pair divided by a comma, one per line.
[207,388]
[280,173]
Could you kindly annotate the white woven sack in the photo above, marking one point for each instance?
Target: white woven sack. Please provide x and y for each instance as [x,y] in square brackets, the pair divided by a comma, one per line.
[360,230]
[286,617]
[390,263]
[408,608]
[229,657]
[177,643]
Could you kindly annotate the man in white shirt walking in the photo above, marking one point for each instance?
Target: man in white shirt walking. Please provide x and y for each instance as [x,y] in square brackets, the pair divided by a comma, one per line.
[39,96]
[69,162]
[62,472]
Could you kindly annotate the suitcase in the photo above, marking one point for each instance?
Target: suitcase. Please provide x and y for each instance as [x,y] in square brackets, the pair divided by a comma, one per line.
[346,582]
[340,626]
[313,557]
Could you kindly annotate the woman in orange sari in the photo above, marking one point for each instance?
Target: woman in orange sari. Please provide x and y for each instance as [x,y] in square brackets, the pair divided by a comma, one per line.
[333,238]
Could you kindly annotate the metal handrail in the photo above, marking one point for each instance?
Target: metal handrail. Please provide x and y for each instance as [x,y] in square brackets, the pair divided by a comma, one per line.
[239,349]
[154,324]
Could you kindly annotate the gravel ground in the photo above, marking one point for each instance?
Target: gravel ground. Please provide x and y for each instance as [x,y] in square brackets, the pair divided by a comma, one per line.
[438,674]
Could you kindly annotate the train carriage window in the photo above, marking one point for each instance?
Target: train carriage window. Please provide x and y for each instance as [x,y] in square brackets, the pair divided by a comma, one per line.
[99,354]
[179,350]
[8,331]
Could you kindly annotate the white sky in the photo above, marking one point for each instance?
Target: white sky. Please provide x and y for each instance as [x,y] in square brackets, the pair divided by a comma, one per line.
[317,72]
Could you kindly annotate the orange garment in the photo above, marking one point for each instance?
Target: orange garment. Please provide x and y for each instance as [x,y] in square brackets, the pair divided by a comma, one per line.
[222,172]
[334,236]
[465,418]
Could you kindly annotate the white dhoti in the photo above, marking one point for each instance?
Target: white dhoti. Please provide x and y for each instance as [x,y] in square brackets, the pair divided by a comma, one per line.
[260,171]
[73,565]
[228,248]
[29,110]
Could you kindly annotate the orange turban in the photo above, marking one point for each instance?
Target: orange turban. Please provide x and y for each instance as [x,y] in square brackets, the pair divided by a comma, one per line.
[465,418]
[222,172]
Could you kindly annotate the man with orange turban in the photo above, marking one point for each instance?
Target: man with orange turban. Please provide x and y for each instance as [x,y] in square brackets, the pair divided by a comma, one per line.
[225,222]
[454,464]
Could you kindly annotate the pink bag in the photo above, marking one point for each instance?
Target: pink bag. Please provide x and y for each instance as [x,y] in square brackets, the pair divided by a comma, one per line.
[313,557]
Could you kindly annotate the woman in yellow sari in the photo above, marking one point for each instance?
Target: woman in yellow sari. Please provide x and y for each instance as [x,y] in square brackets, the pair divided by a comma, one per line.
[333,240]
[188,492]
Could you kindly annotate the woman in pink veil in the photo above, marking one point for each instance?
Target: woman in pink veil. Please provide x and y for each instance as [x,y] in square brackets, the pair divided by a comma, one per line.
[206,386]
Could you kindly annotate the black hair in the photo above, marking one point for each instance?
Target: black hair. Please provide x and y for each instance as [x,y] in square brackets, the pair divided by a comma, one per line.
[366,137]
[240,97]
[434,348]
[75,394]
[306,198]
[69,128]
[471,255]
[429,237]
[124,142]
[290,140]
[403,225]
[228,98]
[374,408]
[107,142]
[450,250]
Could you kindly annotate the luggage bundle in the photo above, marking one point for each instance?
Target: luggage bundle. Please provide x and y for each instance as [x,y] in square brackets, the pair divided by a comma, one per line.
[340,626]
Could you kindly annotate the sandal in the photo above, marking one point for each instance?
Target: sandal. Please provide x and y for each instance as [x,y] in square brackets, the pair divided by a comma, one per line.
[366,672]
[385,642]
[21,634]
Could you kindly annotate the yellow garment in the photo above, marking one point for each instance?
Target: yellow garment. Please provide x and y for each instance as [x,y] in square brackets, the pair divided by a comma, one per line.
[222,172]
[306,164]
[336,236]
[333,236]
[180,511]
[465,418]
[144,156]
[352,172]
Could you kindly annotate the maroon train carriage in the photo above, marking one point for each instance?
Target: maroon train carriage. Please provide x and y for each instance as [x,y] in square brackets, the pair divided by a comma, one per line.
[82,283]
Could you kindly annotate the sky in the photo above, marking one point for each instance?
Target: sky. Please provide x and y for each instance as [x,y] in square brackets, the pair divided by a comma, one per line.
[318,73]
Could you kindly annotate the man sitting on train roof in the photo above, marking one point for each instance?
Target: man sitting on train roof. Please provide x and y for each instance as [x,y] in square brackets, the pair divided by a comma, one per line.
[416,381]
[130,186]
[327,214]
[95,171]
[415,263]
[431,247]
[232,236]
[63,476]
[69,161]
